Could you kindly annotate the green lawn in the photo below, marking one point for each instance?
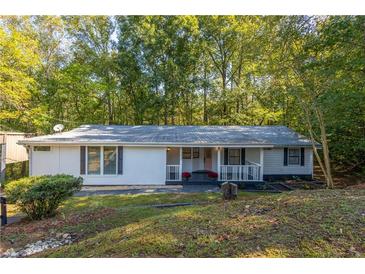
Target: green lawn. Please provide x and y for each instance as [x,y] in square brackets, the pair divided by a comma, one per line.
[317,223]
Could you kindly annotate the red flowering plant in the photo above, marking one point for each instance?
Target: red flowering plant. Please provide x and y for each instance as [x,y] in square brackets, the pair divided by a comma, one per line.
[186,175]
[212,174]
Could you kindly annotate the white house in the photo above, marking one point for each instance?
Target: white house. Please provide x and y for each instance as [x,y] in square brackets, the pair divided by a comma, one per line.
[156,155]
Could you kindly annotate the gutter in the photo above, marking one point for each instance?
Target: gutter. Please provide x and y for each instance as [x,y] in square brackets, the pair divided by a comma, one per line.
[149,144]
[157,144]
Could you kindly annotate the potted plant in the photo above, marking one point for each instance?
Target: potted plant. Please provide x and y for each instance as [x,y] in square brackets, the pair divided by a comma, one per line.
[186,175]
[212,175]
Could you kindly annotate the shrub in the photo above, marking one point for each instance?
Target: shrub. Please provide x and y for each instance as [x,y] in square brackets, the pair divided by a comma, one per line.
[40,196]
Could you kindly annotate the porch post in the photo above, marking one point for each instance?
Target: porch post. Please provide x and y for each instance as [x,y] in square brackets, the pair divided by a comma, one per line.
[180,168]
[219,163]
[261,164]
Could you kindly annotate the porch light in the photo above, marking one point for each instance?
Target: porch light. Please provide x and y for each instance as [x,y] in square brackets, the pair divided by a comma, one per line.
[168,149]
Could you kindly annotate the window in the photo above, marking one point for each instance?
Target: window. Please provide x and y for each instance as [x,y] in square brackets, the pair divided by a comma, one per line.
[186,152]
[234,156]
[110,160]
[293,155]
[93,160]
[195,152]
[42,148]
[101,160]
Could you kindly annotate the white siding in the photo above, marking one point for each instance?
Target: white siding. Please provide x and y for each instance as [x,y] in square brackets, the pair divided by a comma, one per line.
[274,163]
[14,152]
[215,159]
[45,162]
[187,165]
[2,161]
[147,165]
[141,165]
[70,160]
[198,163]
[60,160]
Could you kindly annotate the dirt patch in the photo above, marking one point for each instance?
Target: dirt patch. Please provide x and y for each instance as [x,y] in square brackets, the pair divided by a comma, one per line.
[358,186]
[29,231]
[28,226]
[341,179]
[346,180]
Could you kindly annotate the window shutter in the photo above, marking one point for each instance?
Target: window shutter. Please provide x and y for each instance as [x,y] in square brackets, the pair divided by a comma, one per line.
[120,160]
[285,156]
[82,160]
[302,156]
[243,156]
[225,156]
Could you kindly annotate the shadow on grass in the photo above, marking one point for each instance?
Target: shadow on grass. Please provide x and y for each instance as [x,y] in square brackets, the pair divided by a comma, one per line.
[297,224]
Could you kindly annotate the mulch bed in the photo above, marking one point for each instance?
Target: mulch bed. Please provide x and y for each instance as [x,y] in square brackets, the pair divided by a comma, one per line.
[43,228]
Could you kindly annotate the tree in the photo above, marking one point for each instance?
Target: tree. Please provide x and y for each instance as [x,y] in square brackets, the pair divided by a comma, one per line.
[93,47]
[305,72]
[18,64]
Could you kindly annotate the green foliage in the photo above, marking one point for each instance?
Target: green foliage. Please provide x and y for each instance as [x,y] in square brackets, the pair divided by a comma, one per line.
[203,70]
[15,171]
[40,196]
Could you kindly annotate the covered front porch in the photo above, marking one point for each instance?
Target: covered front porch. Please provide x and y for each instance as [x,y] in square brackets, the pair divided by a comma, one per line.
[213,164]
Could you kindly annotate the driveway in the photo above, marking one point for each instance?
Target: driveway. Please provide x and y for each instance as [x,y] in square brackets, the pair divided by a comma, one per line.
[124,190]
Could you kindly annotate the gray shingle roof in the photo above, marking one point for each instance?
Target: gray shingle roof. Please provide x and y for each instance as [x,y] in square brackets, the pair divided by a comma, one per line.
[177,135]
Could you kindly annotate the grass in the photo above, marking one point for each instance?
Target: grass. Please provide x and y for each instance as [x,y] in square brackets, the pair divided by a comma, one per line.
[316,223]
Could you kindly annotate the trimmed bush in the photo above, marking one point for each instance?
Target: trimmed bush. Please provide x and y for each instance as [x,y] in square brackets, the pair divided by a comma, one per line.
[40,196]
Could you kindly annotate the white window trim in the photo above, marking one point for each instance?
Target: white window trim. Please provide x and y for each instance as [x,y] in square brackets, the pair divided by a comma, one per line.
[299,156]
[101,163]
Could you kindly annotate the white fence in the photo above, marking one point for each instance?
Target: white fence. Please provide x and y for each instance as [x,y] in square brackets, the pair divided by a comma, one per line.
[173,173]
[240,173]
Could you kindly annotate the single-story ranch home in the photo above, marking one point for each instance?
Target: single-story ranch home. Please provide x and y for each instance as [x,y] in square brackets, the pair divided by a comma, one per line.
[156,155]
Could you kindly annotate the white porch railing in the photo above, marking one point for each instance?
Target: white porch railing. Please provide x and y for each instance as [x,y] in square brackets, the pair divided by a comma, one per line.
[173,173]
[240,173]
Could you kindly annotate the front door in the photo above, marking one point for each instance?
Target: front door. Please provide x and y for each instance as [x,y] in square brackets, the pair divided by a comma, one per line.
[208,158]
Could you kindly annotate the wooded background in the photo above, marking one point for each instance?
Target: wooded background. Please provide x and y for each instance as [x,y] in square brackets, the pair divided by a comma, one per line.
[305,72]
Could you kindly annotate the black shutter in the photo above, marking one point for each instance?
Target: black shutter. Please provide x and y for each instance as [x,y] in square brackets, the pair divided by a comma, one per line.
[285,156]
[82,160]
[302,156]
[243,156]
[120,160]
[225,156]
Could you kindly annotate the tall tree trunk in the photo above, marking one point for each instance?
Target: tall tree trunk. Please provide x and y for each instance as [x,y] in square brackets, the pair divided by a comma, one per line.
[224,95]
[205,114]
[166,121]
[110,109]
[325,163]
[326,156]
